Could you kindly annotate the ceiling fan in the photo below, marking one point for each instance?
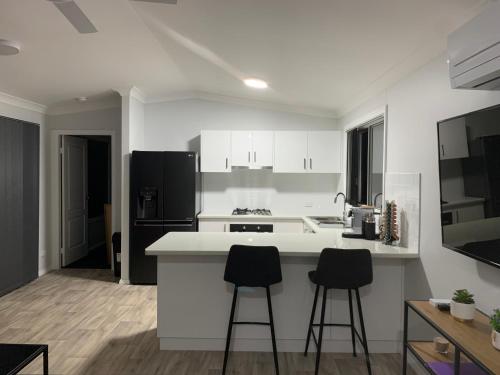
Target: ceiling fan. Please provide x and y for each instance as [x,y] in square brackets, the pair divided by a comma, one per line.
[80,21]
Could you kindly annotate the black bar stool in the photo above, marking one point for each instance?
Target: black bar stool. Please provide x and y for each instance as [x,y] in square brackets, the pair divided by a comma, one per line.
[252,266]
[341,269]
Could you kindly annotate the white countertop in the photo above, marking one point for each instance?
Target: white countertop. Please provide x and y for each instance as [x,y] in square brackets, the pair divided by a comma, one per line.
[289,244]
[229,216]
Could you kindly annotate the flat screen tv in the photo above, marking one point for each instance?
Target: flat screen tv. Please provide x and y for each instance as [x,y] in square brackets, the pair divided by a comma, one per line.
[469,171]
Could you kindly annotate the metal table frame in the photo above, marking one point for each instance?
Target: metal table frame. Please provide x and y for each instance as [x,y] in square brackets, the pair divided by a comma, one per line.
[459,349]
[42,349]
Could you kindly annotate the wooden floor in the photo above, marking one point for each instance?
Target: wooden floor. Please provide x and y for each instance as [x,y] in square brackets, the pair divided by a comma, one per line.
[95,326]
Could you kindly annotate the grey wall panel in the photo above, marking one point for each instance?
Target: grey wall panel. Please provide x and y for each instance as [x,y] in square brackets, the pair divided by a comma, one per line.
[31,140]
[11,244]
[19,186]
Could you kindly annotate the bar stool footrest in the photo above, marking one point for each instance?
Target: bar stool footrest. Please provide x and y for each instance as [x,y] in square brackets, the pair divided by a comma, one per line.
[334,325]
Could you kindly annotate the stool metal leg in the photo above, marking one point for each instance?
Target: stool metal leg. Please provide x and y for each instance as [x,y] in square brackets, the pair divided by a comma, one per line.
[229,330]
[273,337]
[353,336]
[321,325]
[363,333]
[311,321]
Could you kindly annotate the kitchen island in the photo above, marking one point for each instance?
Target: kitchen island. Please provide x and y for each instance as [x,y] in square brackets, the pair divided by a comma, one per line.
[194,301]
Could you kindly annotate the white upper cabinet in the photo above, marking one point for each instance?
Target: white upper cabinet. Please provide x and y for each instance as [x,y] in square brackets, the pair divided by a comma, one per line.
[324,151]
[241,148]
[308,152]
[263,147]
[453,139]
[290,151]
[253,149]
[284,151]
[215,151]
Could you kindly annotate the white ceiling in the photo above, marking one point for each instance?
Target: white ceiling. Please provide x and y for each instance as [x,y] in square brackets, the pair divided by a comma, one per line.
[322,55]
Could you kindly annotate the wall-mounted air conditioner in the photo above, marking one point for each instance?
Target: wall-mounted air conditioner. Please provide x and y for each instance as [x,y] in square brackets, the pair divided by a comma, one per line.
[474,52]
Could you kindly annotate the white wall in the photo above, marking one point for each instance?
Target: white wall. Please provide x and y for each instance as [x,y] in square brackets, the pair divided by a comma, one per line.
[176,126]
[415,105]
[132,139]
[37,117]
[107,119]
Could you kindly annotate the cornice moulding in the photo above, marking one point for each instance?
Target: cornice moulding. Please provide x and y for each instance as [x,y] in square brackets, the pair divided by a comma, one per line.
[22,103]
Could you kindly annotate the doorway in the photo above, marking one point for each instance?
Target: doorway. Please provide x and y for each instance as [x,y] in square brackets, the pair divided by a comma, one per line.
[86,194]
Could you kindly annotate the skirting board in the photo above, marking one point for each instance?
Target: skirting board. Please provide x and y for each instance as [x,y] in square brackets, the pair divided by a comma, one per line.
[290,346]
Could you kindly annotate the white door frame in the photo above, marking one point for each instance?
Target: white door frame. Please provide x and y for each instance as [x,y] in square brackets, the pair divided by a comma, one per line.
[55,188]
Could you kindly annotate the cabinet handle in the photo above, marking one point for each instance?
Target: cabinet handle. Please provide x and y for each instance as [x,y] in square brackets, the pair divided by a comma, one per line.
[305,165]
[249,156]
[255,156]
[227,163]
[310,163]
[442,150]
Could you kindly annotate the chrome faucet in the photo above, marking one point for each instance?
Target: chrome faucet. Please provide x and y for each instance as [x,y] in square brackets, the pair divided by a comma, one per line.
[335,201]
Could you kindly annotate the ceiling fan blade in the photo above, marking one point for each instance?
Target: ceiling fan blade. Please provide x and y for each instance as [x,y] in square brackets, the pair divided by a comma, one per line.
[159,1]
[75,16]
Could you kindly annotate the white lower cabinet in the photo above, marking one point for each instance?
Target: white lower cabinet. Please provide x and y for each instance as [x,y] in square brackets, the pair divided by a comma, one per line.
[279,226]
[213,226]
[289,226]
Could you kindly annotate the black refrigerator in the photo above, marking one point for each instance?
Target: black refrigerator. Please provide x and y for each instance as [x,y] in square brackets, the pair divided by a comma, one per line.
[165,196]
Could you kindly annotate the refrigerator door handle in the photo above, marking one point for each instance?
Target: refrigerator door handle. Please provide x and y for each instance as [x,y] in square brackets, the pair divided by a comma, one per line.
[183,223]
[145,222]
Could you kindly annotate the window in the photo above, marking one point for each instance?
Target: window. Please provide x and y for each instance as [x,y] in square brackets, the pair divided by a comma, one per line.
[365,150]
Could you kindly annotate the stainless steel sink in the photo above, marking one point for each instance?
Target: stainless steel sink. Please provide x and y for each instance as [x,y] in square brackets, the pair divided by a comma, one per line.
[328,221]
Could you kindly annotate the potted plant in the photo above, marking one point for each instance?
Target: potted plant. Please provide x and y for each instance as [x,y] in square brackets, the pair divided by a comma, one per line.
[495,325]
[462,305]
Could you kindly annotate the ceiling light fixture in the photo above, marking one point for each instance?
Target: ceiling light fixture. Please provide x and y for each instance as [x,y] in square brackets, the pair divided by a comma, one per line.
[81,99]
[9,48]
[256,83]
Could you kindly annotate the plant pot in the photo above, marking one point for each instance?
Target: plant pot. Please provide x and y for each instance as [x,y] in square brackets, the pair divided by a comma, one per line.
[463,311]
[495,339]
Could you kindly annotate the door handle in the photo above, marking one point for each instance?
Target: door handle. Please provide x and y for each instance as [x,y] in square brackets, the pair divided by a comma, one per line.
[442,150]
[227,163]
[255,156]
[310,163]
[249,156]
[305,165]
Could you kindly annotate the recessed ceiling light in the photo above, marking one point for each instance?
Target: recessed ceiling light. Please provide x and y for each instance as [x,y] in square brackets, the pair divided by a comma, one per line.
[255,83]
[81,99]
[8,47]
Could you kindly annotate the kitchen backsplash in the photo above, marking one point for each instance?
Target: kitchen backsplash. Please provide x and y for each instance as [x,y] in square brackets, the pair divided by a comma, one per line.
[283,193]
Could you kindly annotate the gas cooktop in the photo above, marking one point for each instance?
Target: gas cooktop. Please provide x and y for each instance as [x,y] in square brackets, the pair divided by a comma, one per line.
[247,211]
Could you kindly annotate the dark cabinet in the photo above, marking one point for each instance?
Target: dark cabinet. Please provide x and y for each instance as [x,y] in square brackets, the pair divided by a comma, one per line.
[19,201]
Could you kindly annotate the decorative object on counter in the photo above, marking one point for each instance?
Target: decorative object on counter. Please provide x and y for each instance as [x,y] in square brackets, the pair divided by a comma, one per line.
[463,307]
[441,345]
[368,228]
[495,325]
[389,227]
